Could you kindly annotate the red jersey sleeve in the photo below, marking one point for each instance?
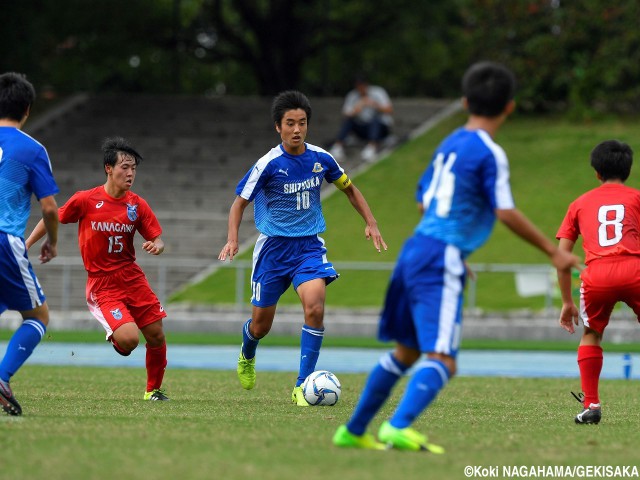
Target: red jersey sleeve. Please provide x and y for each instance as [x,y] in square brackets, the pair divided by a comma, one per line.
[149,226]
[73,209]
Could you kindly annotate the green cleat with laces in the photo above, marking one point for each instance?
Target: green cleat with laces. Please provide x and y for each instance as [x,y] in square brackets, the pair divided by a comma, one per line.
[297,397]
[406,439]
[345,439]
[246,371]
[156,395]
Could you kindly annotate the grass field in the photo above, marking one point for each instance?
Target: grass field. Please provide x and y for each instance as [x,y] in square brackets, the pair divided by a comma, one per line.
[90,423]
[549,165]
[204,338]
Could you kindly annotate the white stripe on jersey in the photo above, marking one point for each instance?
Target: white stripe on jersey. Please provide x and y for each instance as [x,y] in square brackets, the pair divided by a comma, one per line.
[18,248]
[94,308]
[257,170]
[451,290]
[504,199]
[43,147]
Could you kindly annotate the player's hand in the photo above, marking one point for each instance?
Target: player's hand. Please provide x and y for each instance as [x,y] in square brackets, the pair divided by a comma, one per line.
[372,232]
[563,259]
[569,317]
[230,249]
[48,252]
[152,248]
[470,273]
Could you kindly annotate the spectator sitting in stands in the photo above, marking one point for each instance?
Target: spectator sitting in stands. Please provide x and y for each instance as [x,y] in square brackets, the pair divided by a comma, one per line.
[367,113]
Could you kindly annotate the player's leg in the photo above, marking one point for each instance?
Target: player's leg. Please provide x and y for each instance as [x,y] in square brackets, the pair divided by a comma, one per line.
[23,341]
[155,360]
[395,324]
[254,329]
[148,313]
[20,291]
[437,315]
[312,295]
[312,274]
[598,296]
[270,278]
[590,360]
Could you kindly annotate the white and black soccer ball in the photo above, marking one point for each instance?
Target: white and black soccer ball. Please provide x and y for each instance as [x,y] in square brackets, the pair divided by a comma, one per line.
[322,388]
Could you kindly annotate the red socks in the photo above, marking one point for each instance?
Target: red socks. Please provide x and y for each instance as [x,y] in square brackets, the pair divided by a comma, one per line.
[156,361]
[590,363]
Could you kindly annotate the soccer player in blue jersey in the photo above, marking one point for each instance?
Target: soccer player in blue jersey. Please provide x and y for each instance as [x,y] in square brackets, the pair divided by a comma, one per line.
[285,188]
[25,169]
[462,192]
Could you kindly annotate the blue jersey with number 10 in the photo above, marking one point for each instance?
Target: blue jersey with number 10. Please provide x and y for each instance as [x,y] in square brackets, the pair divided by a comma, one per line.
[285,189]
[467,180]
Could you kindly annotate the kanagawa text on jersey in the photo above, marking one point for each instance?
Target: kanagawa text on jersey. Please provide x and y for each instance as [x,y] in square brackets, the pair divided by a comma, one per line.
[112,227]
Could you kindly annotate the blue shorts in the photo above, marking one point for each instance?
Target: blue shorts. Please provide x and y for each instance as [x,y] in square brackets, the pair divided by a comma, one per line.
[19,287]
[280,261]
[423,306]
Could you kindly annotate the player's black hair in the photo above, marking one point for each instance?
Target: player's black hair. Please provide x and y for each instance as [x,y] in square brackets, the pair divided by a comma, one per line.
[111,147]
[612,160]
[488,88]
[289,100]
[16,96]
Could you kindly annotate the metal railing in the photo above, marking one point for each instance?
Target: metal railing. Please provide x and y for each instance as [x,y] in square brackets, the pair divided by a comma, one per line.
[66,273]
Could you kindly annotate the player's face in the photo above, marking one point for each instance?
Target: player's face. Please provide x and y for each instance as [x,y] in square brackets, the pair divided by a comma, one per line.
[293,131]
[123,173]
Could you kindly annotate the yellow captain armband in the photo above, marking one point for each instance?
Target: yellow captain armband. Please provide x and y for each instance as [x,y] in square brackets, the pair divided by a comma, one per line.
[343,182]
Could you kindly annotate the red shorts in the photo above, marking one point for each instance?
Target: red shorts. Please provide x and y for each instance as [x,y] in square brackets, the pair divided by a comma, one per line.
[121,297]
[605,282]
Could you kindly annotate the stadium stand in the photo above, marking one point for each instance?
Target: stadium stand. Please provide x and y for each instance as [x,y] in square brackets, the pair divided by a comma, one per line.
[195,149]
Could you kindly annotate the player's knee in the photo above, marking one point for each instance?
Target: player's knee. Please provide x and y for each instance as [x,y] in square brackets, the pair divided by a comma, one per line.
[447,361]
[314,315]
[40,313]
[259,330]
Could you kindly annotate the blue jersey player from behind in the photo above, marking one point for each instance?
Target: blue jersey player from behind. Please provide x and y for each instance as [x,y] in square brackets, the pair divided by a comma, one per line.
[462,192]
[25,170]
[285,187]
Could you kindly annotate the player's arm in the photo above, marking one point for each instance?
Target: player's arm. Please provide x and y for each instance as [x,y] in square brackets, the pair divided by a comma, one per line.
[362,207]
[155,246]
[569,312]
[519,224]
[47,226]
[236,211]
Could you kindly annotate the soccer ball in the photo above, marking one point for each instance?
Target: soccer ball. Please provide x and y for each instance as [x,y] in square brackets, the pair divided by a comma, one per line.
[322,388]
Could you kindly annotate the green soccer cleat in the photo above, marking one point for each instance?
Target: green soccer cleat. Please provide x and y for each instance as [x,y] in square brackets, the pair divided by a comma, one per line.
[297,397]
[406,439]
[345,439]
[156,395]
[246,371]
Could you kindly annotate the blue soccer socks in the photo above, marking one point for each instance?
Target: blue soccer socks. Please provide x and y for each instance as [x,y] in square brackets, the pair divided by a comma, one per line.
[249,342]
[429,378]
[20,347]
[381,381]
[310,344]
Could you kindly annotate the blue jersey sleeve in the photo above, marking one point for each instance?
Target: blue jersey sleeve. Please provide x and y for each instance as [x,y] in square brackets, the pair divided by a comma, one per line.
[41,176]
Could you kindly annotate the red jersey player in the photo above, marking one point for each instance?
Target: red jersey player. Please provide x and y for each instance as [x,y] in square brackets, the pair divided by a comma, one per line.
[608,218]
[118,293]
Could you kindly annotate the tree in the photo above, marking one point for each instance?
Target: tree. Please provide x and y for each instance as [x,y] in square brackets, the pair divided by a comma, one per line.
[275,38]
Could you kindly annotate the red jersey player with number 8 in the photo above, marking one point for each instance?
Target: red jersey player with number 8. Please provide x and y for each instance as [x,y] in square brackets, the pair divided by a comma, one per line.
[608,219]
